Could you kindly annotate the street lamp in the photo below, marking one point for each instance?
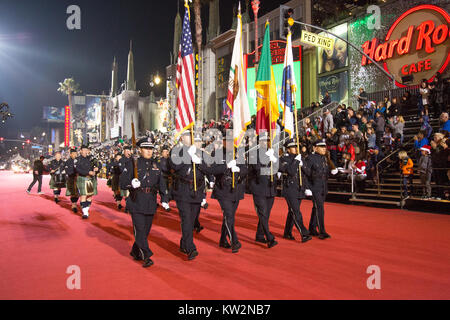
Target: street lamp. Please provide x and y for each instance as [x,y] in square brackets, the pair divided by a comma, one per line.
[255,7]
[156,80]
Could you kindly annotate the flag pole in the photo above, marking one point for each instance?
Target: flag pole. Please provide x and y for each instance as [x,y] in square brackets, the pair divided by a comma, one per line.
[195,173]
[298,144]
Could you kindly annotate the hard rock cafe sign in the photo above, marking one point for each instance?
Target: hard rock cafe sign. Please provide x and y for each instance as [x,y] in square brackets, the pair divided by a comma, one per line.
[416,45]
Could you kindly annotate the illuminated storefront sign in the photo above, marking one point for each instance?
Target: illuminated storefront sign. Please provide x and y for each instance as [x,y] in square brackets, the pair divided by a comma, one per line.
[417,44]
[67,126]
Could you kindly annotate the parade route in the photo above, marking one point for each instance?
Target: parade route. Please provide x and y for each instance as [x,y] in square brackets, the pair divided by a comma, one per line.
[39,240]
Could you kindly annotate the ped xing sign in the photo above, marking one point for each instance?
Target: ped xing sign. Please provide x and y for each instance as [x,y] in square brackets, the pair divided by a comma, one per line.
[317,40]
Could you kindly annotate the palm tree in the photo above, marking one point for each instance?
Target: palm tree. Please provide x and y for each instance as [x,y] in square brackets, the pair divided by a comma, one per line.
[69,87]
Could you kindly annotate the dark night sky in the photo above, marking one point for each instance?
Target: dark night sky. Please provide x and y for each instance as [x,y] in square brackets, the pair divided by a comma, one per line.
[37,50]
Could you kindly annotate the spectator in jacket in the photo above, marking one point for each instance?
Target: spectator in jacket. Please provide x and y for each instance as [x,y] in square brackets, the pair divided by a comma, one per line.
[327,99]
[420,141]
[445,122]
[328,121]
[397,124]
[406,167]
[425,170]
[38,170]
[426,127]
[379,129]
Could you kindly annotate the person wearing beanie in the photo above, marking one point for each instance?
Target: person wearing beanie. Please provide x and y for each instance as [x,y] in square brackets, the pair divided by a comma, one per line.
[425,170]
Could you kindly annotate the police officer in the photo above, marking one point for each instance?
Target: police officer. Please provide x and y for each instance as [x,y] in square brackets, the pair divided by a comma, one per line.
[188,199]
[204,204]
[71,180]
[142,200]
[263,187]
[57,179]
[229,195]
[317,168]
[125,162]
[86,179]
[293,191]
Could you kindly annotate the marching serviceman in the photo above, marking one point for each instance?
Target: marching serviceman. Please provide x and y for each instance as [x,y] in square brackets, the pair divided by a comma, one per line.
[164,164]
[142,202]
[115,171]
[71,180]
[187,193]
[203,205]
[263,187]
[229,196]
[86,180]
[58,176]
[125,162]
[316,168]
[294,191]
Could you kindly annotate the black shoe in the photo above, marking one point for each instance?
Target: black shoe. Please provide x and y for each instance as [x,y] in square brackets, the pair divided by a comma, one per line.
[225,245]
[306,238]
[84,216]
[198,229]
[147,263]
[313,233]
[235,247]
[135,257]
[119,207]
[289,237]
[192,255]
[75,210]
[272,243]
[324,235]
[183,251]
[261,240]
[56,200]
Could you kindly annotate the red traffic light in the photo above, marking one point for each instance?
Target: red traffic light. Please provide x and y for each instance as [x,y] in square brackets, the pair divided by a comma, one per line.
[28,141]
[1,138]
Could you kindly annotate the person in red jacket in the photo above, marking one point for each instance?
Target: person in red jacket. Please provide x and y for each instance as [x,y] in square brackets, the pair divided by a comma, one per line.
[348,148]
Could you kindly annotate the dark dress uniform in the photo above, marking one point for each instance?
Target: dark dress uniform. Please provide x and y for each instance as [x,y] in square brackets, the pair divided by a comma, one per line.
[164,164]
[58,178]
[188,200]
[142,202]
[316,169]
[127,163]
[264,192]
[71,182]
[114,172]
[229,198]
[293,192]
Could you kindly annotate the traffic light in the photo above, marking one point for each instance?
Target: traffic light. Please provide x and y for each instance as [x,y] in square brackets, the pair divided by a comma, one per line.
[286,20]
[28,141]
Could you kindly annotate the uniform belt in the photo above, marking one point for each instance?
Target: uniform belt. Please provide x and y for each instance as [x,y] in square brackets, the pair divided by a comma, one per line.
[148,190]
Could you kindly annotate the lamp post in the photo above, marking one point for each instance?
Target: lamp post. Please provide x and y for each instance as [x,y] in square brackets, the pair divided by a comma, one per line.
[255,7]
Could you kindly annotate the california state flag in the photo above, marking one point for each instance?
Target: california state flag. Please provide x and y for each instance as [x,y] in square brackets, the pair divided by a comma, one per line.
[237,94]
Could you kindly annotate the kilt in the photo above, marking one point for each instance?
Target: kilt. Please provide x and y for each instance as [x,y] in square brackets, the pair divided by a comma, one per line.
[71,187]
[115,183]
[124,193]
[82,186]
[57,182]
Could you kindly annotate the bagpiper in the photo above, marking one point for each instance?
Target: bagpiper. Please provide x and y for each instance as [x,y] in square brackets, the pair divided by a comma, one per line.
[71,180]
[57,176]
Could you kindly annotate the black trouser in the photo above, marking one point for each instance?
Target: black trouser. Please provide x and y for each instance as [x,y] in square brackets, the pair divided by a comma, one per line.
[229,211]
[294,213]
[317,213]
[141,226]
[263,206]
[36,178]
[196,221]
[188,212]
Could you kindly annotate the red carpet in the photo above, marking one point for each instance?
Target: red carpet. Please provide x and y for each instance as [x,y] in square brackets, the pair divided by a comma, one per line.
[40,239]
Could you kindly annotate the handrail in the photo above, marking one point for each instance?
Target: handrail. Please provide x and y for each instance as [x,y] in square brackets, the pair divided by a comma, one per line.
[384,159]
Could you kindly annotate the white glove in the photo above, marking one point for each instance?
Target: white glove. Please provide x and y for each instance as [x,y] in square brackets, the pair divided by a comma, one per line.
[211,185]
[334,171]
[273,159]
[231,164]
[135,183]
[308,193]
[196,159]
[235,169]
[270,153]
[165,205]
[203,203]
[299,159]
[192,150]
[279,175]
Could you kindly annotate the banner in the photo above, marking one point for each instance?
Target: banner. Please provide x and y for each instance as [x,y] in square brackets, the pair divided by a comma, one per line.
[67,126]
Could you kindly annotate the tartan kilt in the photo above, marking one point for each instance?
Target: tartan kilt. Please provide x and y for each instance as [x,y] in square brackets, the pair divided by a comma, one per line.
[115,183]
[82,186]
[54,185]
[71,187]
[124,193]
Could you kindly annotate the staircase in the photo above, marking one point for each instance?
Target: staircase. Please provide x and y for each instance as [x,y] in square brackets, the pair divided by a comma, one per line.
[387,191]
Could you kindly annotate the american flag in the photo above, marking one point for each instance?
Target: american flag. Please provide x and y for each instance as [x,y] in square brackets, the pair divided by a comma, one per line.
[185,79]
